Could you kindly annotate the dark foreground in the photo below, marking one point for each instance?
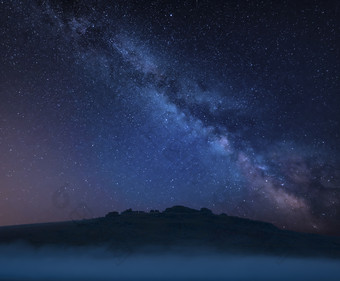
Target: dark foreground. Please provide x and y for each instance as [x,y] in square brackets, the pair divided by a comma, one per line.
[178,229]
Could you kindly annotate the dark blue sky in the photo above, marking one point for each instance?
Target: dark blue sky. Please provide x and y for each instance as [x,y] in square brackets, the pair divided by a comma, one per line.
[227,105]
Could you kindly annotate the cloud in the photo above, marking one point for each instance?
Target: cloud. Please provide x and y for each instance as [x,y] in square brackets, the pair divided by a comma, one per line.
[21,262]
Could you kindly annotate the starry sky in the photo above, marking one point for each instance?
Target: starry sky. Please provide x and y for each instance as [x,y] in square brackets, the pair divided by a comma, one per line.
[229,105]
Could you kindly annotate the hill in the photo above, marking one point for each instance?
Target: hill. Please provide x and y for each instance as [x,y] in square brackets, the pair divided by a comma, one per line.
[179,228]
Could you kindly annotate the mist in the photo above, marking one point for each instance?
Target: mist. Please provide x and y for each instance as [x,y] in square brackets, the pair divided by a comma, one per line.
[20,261]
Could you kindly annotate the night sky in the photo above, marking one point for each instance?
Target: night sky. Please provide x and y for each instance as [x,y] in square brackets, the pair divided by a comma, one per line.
[229,105]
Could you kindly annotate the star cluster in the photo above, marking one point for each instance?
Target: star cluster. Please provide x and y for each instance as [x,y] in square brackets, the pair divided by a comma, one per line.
[226,105]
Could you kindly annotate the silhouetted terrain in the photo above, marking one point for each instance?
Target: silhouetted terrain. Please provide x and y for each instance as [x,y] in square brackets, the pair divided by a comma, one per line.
[178,228]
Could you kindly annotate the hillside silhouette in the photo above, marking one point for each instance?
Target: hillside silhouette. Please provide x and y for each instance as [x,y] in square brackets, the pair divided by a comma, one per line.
[180,228]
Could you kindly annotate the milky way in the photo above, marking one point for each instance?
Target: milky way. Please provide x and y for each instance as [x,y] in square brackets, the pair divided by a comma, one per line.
[227,106]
